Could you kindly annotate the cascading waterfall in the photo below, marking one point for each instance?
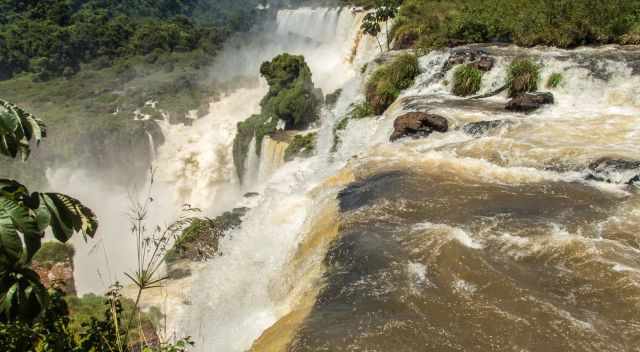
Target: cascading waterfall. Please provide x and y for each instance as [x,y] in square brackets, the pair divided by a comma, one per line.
[454,241]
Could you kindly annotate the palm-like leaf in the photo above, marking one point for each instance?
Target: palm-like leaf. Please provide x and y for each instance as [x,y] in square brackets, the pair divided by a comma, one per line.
[17,129]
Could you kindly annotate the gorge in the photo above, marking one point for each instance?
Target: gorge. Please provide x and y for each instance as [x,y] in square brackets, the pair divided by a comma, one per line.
[502,231]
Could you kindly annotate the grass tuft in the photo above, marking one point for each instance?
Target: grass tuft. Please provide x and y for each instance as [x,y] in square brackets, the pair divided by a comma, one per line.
[466,81]
[523,76]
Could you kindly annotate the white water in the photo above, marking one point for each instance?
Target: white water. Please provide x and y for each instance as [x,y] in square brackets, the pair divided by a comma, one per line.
[233,298]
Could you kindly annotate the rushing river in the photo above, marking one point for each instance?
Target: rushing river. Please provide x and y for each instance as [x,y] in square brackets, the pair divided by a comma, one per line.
[456,242]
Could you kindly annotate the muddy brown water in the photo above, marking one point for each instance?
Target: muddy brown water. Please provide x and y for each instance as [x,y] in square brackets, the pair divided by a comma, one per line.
[427,262]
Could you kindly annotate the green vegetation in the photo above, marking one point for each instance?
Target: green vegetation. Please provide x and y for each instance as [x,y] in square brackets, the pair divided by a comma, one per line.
[554,80]
[199,241]
[383,12]
[292,99]
[34,318]
[52,38]
[117,54]
[386,83]
[301,146]
[54,252]
[562,23]
[523,75]
[466,80]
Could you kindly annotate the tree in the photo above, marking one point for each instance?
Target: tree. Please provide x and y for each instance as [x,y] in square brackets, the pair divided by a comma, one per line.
[384,11]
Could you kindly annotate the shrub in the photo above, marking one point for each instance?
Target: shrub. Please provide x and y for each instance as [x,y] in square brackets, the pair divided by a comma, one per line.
[554,80]
[54,252]
[466,80]
[523,76]
[386,83]
[301,146]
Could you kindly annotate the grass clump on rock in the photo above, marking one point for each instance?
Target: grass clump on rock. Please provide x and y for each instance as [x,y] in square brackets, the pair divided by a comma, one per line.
[200,240]
[301,146]
[386,83]
[523,75]
[292,99]
[554,80]
[466,80]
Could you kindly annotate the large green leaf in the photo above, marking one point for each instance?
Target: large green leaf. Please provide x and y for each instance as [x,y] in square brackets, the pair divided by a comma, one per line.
[17,129]
[10,244]
[68,215]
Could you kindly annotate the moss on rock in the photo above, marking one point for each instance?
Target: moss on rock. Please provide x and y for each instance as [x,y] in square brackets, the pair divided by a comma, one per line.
[303,145]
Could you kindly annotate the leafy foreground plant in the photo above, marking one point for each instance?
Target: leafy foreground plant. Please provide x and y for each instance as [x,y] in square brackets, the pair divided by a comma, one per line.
[33,318]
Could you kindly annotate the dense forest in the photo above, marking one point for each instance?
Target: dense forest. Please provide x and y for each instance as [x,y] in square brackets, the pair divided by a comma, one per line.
[51,38]
[561,23]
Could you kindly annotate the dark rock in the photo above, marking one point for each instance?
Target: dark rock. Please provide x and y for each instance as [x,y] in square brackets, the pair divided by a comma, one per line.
[481,128]
[467,55]
[176,272]
[251,194]
[528,102]
[240,211]
[418,124]
[614,171]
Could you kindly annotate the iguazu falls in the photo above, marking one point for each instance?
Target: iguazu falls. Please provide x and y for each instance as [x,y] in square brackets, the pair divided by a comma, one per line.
[319,175]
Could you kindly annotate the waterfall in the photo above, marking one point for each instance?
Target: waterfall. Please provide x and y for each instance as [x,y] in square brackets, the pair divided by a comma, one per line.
[152,146]
[272,157]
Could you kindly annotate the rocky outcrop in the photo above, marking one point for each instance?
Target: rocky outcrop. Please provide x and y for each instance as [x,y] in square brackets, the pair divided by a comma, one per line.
[56,275]
[481,128]
[610,170]
[418,124]
[200,240]
[474,57]
[529,102]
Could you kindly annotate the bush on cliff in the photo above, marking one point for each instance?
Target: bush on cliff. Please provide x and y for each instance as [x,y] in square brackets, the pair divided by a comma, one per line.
[386,83]
[292,99]
[466,80]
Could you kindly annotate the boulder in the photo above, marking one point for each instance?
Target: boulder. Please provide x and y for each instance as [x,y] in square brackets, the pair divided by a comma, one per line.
[481,128]
[484,64]
[418,124]
[612,170]
[528,102]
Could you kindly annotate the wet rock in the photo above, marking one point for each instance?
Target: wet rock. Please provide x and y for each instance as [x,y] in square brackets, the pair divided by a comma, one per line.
[528,102]
[484,64]
[622,171]
[418,124]
[481,128]
[251,194]
[476,57]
